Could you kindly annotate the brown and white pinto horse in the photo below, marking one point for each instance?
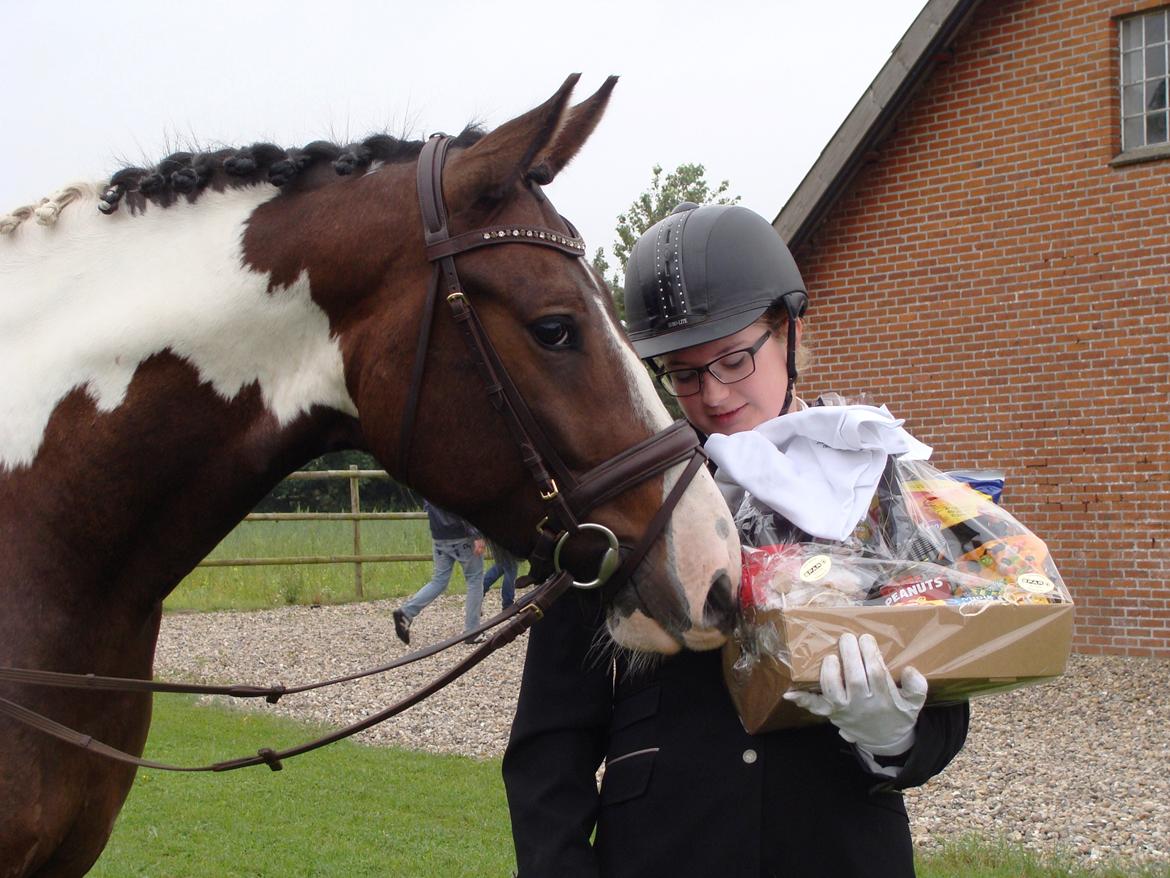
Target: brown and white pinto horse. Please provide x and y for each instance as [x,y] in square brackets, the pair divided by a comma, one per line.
[165,363]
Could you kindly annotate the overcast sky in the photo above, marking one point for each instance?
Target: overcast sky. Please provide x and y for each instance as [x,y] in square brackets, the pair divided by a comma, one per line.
[752,90]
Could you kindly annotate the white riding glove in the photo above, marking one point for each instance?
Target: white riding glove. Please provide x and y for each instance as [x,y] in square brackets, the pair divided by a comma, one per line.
[864,703]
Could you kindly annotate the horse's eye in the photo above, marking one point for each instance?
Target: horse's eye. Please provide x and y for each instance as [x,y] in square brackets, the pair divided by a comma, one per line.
[554,332]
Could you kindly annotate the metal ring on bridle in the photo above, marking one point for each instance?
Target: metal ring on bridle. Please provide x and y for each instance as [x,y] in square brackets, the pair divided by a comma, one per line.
[610,561]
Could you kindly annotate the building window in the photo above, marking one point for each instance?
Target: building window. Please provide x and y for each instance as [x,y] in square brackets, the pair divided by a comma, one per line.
[1144,80]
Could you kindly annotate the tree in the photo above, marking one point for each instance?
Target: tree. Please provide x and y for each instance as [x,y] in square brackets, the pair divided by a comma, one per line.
[687,182]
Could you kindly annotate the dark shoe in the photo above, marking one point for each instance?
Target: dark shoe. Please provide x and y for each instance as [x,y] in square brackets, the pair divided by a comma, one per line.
[478,638]
[402,626]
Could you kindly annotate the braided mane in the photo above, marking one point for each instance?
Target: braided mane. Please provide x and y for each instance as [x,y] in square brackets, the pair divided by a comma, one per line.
[187,174]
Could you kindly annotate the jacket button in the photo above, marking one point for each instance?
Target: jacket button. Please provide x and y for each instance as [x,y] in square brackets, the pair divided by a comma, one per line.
[749,756]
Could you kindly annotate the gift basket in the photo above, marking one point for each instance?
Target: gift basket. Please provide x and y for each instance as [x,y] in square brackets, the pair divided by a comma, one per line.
[943,578]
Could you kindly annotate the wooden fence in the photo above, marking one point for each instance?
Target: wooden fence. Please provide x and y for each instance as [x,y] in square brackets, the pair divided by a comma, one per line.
[355,514]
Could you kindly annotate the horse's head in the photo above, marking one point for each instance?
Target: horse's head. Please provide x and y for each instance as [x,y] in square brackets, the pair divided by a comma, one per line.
[166,364]
[550,318]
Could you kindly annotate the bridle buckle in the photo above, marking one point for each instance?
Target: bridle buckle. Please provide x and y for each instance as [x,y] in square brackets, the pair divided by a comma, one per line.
[535,610]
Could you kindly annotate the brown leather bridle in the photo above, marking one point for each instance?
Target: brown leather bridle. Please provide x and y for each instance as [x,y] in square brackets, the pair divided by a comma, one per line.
[568,497]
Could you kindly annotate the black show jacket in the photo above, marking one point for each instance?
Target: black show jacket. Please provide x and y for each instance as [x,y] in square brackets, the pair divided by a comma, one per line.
[687,792]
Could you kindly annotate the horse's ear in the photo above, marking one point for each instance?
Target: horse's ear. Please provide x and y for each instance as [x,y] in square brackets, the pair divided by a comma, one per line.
[578,125]
[491,167]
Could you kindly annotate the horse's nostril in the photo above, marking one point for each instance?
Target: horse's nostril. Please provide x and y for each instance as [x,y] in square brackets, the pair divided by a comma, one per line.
[719,608]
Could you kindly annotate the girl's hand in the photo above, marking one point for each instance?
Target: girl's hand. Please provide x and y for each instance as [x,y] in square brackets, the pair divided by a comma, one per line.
[859,696]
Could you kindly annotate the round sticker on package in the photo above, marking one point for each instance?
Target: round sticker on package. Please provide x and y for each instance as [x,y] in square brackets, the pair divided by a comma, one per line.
[815,568]
[1036,583]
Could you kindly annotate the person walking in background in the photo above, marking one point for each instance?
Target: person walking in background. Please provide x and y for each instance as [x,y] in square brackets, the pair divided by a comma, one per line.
[452,539]
[506,565]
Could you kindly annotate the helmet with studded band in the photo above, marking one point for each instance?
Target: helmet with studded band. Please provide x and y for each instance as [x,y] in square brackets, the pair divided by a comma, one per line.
[704,273]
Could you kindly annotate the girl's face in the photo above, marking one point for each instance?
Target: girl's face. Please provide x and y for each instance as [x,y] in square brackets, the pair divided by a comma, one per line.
[744,405]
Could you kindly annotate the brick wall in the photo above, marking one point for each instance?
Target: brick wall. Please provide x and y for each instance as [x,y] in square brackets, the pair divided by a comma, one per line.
[992,279]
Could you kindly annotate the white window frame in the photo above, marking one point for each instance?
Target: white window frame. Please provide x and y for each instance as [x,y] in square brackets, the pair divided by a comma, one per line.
[1144,80]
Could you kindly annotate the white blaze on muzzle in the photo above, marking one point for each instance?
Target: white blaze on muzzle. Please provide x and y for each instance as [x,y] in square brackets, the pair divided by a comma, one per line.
[700,539]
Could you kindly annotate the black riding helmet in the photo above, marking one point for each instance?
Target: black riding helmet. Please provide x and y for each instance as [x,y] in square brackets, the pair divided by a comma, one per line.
[707,272]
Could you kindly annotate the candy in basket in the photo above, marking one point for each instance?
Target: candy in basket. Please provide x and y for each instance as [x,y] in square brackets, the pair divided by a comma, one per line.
[945,581]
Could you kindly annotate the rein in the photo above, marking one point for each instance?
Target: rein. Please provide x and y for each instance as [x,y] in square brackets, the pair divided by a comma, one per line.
[569,499]
[515,620]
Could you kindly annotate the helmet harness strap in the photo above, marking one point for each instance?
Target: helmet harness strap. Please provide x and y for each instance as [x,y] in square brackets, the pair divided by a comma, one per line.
[792,374]
[795,303]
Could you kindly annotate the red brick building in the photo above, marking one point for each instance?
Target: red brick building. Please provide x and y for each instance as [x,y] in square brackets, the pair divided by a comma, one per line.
[986,242]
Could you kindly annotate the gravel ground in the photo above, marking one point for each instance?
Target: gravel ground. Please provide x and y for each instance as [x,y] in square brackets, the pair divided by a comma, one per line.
[1081,764]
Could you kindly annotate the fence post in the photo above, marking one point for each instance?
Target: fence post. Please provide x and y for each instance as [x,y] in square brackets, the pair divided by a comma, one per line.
[355,506]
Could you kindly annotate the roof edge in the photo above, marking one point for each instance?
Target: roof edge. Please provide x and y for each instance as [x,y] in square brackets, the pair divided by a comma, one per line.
[871,118]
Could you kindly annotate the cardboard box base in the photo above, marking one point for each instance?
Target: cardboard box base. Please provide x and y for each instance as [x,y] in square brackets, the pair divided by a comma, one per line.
[758,692]
[962,652]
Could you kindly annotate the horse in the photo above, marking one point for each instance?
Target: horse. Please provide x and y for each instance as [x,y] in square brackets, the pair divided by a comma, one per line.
[180,338]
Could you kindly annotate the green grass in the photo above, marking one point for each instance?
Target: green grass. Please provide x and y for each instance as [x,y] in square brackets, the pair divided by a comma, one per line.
[346,810]
[349,810]
[251,588]
[352,810]
[976,857]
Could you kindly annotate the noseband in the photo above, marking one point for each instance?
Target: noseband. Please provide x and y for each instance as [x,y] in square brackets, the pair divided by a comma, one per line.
[568,499]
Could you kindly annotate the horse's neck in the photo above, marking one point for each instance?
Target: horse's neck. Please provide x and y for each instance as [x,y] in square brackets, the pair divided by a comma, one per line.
[154,380]
[86,306]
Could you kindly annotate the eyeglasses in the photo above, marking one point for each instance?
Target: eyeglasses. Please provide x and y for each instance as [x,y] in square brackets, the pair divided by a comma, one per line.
[727,369]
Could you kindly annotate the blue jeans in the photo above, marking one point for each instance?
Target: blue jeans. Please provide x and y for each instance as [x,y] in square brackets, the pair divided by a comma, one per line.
[446,553]
[506,566]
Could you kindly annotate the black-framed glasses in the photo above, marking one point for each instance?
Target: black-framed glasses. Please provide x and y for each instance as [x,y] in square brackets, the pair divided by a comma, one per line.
[727,369]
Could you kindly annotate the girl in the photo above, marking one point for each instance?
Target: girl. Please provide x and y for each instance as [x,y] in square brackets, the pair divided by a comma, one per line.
[714,298]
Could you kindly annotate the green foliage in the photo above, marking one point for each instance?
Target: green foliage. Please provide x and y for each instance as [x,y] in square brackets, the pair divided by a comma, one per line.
[345,810]
[612,283]
[687,182]
[291,584]
[332,495]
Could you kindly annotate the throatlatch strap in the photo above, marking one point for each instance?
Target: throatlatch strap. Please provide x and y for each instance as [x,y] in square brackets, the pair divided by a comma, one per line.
[535,449]
[791,364]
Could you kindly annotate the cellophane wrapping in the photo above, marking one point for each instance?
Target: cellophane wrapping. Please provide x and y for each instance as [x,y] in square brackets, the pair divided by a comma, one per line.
[946,581]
